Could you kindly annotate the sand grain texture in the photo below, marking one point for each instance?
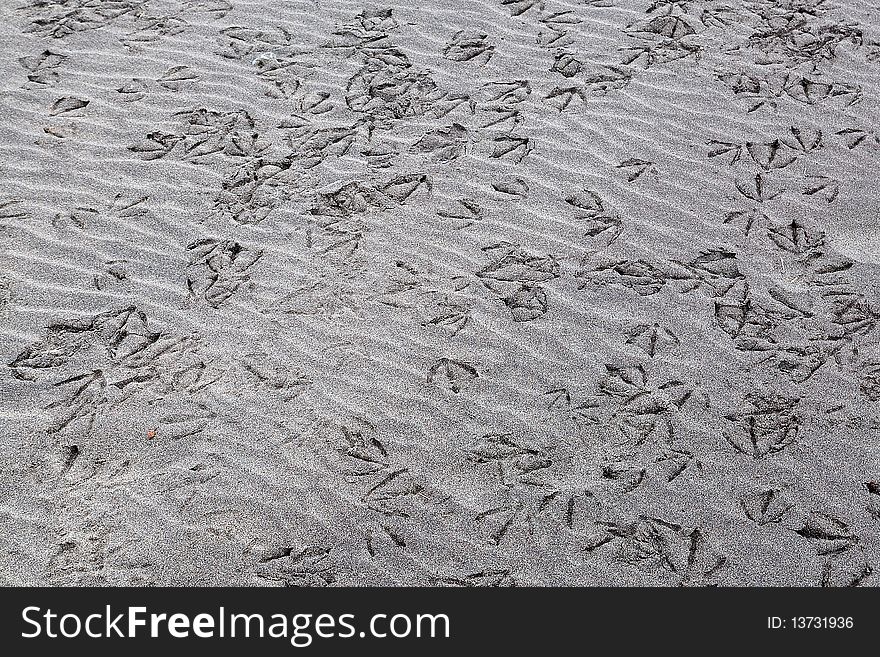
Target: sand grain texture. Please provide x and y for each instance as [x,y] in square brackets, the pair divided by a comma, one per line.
[444,293]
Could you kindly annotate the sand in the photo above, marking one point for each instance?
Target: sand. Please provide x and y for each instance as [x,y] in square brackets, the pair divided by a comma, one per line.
[461,293]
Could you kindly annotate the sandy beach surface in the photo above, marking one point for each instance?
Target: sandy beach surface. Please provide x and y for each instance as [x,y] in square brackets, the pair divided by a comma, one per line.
[500,292]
